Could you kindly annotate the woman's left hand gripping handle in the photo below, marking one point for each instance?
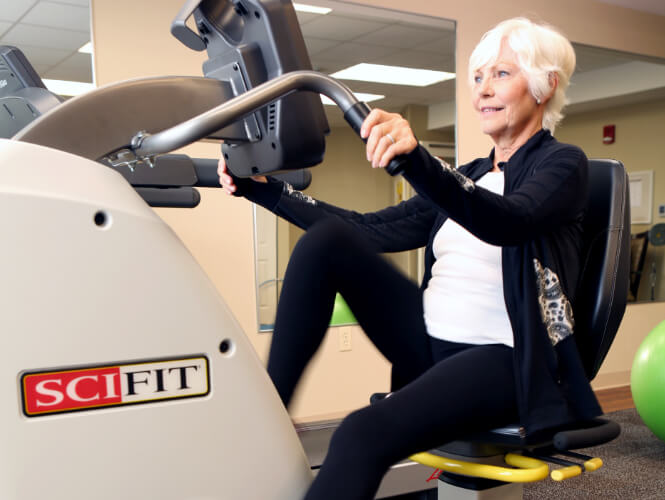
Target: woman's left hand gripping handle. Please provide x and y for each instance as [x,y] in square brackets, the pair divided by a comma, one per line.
[228,181]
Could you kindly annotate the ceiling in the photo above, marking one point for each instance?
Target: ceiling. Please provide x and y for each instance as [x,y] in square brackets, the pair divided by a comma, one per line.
[351,34]
[650,6]
[50,32]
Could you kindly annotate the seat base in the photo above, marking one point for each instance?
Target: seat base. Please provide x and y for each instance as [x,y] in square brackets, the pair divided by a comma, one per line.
[508,491]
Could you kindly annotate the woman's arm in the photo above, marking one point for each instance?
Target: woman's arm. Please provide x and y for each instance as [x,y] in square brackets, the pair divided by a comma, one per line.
[402,227]
[555,194]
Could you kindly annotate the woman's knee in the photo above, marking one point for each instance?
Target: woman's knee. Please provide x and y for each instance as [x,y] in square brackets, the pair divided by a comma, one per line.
[359,435]
[328,239]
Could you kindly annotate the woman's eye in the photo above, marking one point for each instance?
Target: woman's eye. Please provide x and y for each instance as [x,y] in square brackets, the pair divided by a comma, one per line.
[477,79]
[503,72]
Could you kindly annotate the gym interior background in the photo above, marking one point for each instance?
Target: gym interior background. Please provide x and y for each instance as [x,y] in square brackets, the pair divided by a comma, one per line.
[132,39]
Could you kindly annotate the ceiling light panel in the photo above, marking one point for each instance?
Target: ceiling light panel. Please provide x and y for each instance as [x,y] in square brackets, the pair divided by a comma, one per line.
[86,49]
[67,88]
[395,75]
[359,95]
[312,9]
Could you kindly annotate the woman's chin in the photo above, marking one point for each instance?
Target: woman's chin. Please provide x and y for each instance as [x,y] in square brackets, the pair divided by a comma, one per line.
[490,129]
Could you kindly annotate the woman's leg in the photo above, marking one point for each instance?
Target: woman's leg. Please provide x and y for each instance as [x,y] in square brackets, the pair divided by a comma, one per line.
[333,257]
[471,390]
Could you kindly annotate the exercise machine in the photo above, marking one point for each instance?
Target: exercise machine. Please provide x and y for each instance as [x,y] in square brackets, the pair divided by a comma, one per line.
[124,373]
[23,95]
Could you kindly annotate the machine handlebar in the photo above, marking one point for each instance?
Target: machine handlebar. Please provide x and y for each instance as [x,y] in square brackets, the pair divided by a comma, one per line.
[602,431]
[196,128]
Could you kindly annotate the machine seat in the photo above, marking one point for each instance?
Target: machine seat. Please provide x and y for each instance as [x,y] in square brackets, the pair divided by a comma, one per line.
[514,438]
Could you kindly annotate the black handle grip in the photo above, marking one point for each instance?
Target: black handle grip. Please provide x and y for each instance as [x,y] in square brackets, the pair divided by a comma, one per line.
[178,197]
[396,165]
[602,432]
[355,116]
[299,179]
[206,172]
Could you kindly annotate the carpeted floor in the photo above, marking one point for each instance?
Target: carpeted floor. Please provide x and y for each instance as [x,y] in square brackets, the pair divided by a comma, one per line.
[634,468]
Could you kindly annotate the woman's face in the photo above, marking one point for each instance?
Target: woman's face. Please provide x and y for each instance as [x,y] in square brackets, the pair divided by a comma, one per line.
[508,111]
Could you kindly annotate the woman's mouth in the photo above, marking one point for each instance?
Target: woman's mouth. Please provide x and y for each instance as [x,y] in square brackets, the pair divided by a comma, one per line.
[488,109]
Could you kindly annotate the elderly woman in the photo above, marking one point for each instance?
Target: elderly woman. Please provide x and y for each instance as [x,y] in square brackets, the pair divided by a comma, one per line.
[487,338]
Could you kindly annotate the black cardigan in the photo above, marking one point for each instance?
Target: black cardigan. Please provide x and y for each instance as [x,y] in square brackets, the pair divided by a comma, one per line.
[537,222]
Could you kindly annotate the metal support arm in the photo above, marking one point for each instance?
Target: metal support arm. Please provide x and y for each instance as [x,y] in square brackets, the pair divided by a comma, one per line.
[206,123]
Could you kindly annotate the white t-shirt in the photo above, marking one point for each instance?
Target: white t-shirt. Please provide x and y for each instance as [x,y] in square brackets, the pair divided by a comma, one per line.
[464,299]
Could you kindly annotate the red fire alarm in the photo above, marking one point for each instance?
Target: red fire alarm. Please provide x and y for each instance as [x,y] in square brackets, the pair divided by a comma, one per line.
[609,134]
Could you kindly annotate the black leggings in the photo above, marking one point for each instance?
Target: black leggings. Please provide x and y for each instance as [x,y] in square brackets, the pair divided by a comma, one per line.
[442,389]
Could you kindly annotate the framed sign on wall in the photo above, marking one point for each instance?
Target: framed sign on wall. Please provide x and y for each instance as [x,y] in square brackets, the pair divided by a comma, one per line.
[641,196]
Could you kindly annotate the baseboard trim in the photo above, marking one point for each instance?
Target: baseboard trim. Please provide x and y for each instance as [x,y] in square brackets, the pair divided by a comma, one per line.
[611,380]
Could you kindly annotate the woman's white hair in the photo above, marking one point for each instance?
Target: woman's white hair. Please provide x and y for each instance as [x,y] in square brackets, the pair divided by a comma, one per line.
[542,52]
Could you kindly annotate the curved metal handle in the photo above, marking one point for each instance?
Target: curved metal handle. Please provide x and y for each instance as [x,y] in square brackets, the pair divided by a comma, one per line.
[528,469]
[201,126]
[206,123]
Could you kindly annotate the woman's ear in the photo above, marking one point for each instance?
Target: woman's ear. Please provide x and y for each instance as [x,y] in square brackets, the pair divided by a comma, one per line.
[553,79]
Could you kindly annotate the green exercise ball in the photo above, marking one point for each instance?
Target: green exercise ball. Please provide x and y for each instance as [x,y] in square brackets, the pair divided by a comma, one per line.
[342,314]
[647,381]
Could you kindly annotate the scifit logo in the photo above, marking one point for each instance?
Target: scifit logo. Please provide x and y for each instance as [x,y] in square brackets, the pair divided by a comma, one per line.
[98,387]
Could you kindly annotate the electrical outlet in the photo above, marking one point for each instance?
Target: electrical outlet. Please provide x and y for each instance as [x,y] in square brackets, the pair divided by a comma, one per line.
[345,339]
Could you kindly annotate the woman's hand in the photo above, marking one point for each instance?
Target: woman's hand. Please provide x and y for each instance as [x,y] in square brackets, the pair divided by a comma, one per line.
[388,135]
[226,180]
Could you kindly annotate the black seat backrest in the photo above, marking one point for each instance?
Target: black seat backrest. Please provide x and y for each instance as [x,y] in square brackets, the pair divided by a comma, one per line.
[603,289]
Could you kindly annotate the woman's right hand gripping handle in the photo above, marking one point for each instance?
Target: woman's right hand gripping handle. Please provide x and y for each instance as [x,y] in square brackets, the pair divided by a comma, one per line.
[369,125]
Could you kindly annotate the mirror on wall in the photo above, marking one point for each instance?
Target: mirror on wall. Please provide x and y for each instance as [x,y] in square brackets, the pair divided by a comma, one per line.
[340,36]
[55,38]
[617,110]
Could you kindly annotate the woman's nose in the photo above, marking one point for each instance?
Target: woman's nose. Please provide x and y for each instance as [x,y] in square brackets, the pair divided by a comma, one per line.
[486,88]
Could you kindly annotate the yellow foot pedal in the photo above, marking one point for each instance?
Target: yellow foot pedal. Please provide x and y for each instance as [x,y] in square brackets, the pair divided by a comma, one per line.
[528,469]
[566,472]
